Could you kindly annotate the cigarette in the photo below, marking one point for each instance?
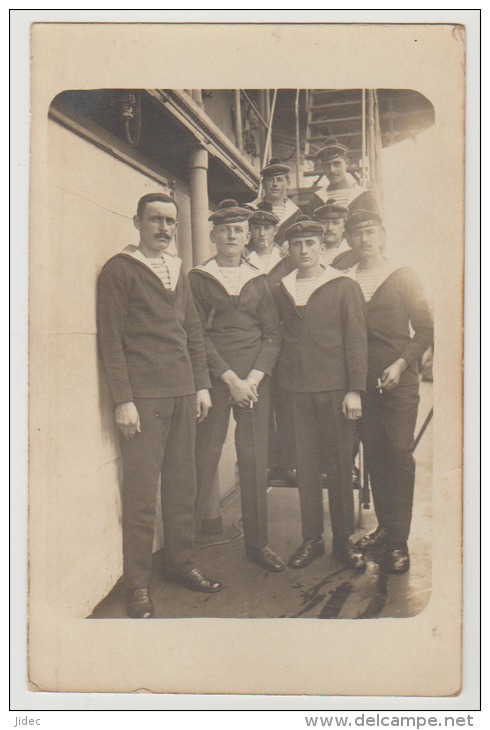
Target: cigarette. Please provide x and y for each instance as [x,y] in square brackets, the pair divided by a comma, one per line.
[379,386]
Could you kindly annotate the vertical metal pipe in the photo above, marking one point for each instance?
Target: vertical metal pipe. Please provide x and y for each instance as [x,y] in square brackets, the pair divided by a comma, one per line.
[270,119]
[197,96]
[263,111]
[267,115]
[363,137]
[201,250]
[198,183]
[371,137]
[269,130]
[378,148]
[238,121]
[296,116]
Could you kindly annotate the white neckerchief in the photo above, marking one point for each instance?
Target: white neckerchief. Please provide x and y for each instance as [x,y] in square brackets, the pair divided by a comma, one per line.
[271,259]
[173,264]
[247,273]
[329,274]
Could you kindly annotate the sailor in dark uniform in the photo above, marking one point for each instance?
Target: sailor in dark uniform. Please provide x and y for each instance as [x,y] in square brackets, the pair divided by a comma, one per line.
[276,180]
[266,256]
[342,187]
[263,251]
[322,366]
[400,330]
[337,251]
[152,350]
[241,333]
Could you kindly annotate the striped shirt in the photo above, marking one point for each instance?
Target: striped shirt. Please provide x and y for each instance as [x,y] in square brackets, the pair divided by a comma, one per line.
[345,196]
[231,279]
[304,288]
[279,210]
[161,270]
[369,280]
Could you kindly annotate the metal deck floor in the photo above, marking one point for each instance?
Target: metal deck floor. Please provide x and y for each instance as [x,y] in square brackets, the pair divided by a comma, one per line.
[325,589]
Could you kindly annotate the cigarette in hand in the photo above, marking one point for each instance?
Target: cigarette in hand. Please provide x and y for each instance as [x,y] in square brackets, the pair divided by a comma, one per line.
[379,386]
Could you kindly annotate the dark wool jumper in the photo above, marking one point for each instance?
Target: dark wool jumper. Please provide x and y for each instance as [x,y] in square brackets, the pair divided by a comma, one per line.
[241,332]
[399,326]
[398,304]
[324,342]
[150,339]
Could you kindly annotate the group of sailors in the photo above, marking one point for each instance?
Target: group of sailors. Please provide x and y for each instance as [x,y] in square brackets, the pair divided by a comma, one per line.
[303,329]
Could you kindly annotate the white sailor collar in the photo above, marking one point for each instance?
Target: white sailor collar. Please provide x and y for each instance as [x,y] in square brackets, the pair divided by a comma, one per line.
[173,263]
[247,272]
[329,274]
[325,194]
[273,258]
[290,207]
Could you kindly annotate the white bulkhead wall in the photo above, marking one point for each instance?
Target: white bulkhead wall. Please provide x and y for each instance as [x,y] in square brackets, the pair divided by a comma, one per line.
[92,199]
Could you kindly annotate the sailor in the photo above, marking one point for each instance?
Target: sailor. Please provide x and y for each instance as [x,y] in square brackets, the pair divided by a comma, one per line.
[322,366]
[241,332]
[342,187]
[152,349]
[276,181]
[263,252]
[337,252]
[400,330]
[266,256]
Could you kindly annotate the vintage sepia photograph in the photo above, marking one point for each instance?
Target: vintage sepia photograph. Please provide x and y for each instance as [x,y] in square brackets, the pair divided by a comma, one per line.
[240,359]
[236,186]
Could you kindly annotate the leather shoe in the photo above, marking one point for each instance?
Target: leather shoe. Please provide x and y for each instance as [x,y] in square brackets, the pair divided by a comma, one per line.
[373,540]
[309,549]
[139,603]
[349,554]
[265,557]
[196,581]
[398,559]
